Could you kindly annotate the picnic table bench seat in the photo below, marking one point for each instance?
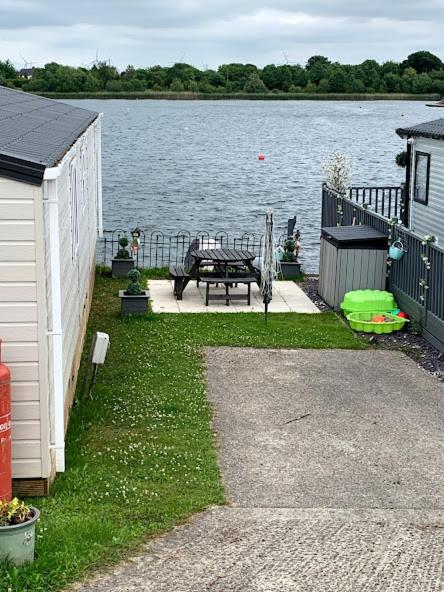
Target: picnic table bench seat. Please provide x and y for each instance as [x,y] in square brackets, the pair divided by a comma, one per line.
[227,282]
[180,275]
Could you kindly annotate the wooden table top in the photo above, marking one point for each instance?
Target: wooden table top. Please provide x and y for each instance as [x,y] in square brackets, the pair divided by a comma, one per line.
[223,255]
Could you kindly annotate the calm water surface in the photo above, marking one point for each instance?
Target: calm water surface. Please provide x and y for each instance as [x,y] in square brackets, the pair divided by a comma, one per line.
[192,165]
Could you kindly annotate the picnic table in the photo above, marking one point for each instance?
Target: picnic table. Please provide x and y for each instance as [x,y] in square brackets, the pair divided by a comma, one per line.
[230,268]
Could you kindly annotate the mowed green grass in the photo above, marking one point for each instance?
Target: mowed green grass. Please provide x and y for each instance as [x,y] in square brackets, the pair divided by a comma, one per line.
[140,455]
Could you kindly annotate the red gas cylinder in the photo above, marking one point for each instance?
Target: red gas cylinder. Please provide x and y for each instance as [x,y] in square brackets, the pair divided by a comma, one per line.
[261,156]
[5,432]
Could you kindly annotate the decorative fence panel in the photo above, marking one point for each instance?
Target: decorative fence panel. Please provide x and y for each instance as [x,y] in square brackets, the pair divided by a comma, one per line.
[386,201]
[417,280]
[158,249]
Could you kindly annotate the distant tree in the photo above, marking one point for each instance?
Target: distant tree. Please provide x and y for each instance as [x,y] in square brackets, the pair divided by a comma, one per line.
[136,84]
[7,71]
[104,72]
[392,82]
[324,86]
[298,75]
[390,68]
[407,80]
[129,72]
[176,85]
[156,78]
[115,86]
[205,87]
[369,73]
[255,85]
[437,82]
[422,84]
[355,85]
[215,79]
[270,76]
[311,87]
[182,72]
[193,86]
[421,72]
[317,68]
[338,80]
[282,77]
[237,74]
[56,78]
[422,61]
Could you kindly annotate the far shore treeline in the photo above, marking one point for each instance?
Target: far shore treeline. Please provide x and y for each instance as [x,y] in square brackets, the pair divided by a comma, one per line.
[421,73]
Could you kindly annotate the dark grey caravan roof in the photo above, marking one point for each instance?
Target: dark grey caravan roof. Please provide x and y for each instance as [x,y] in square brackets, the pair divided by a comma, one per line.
[36,133]
[431,129]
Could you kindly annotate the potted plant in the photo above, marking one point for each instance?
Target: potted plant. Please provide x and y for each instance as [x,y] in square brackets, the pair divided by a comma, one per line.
[17,531]
[122,263]
[134,300]
[289,263]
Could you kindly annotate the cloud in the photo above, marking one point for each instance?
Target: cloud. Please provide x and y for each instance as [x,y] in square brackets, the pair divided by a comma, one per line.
[213,32]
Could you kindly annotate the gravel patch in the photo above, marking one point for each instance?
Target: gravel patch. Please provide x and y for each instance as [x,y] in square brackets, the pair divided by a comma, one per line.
[415,346]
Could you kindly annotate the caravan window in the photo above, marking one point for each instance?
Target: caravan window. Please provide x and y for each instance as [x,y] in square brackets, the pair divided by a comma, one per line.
[422,174]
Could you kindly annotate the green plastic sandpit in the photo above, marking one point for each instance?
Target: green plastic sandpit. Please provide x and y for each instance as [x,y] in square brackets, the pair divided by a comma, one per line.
[362,321]
[368,301]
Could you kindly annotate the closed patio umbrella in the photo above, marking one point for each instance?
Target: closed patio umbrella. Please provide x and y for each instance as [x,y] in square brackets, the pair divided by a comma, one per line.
[268,263]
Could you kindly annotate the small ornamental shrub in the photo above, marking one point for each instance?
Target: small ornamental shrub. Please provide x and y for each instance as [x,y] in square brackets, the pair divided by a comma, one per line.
[123,252]
[289,255]
[14,512]
[134,287]
[401,159]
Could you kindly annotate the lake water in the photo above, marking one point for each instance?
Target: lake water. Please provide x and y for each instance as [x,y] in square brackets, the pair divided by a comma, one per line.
[193,165]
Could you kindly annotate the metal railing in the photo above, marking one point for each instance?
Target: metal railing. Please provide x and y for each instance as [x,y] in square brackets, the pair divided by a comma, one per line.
[386,201]
[158,249]
[417,280]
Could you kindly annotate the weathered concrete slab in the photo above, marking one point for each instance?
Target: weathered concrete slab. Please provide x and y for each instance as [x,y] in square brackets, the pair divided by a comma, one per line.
[290,550]
[369,433]
[334,463]
[287,297]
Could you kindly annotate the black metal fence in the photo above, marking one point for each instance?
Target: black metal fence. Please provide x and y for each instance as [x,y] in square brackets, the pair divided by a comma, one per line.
[386,201]
[417,280]
[158,249]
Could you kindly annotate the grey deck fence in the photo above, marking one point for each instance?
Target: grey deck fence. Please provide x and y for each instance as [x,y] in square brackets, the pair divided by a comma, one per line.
[417,280]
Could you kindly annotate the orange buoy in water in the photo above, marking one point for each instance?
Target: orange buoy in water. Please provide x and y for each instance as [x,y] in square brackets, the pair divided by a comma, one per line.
[261,156]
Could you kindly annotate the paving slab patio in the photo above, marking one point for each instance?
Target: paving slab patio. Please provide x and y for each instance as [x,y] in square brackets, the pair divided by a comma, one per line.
[333,464]
[287,297]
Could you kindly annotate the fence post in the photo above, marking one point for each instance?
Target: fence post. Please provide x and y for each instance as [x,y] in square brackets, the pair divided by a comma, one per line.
[291,223]
[404,207]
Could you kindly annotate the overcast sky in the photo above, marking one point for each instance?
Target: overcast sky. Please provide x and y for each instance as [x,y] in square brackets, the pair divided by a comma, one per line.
[211,32]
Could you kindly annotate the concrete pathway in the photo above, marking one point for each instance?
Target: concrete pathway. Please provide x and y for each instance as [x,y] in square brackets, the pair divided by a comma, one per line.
[287,297]
[334,465]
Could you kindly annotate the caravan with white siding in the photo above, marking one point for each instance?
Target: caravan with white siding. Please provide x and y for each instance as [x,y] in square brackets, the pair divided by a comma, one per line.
[50,216]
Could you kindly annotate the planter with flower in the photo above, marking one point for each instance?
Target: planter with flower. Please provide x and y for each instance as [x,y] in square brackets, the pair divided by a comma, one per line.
[123,262]
[134,300]
[17,531]
[290,267]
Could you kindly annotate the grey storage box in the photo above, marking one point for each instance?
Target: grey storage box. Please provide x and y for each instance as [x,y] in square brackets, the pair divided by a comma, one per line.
[352,258]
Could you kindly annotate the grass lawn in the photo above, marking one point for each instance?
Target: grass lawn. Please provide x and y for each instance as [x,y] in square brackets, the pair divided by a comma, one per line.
[140,455]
